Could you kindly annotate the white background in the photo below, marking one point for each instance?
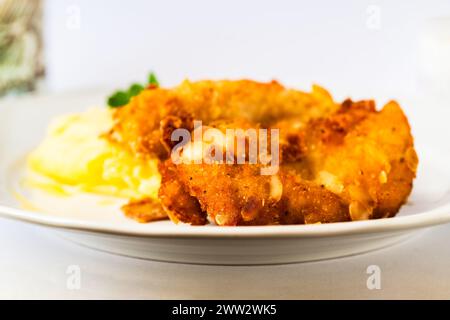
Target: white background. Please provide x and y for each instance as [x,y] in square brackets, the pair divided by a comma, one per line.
[356,47]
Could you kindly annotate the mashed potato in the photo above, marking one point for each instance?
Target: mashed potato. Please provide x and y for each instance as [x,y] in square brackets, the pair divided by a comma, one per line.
[74,154]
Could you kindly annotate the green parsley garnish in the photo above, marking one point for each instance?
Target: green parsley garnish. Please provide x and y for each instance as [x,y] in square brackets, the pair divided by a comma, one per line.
[152,80]
[121,98]
[118,99]
[135,89]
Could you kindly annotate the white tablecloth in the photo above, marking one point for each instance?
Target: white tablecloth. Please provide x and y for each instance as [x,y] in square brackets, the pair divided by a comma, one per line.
[34,263]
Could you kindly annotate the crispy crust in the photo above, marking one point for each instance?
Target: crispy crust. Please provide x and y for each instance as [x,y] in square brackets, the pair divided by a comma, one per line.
[338,162]
[179,205]
[139,126]
[144,210]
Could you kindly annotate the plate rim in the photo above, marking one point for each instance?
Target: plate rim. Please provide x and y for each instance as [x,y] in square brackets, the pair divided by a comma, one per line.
[433,217]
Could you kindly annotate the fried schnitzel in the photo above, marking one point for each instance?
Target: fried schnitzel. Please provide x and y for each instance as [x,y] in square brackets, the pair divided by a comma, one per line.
[339,162]
[140,125]
[356,164]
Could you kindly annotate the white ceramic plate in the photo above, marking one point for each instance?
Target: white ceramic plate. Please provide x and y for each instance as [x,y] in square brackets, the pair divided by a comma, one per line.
[94,222]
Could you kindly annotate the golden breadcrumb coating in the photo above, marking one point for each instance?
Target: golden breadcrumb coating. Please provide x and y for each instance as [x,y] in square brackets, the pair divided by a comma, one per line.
[357,164]
[144,210]
[139,126]
[339,162]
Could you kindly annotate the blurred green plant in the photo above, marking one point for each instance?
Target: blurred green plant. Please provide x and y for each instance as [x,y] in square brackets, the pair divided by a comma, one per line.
[21,62]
